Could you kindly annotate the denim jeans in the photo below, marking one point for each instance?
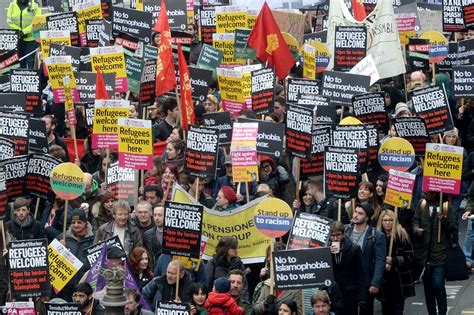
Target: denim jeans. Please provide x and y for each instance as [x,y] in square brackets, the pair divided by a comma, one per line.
[468,242]
[435,290]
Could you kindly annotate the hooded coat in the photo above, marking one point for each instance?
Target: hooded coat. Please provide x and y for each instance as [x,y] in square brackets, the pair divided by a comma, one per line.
[29,230]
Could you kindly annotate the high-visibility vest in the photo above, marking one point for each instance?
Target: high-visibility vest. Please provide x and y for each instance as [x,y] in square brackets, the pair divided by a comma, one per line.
[19,19]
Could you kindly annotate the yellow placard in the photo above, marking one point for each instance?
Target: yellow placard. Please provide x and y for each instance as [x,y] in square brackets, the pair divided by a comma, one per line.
[228,22]
[350,121]
[62,265]
[57,72]
[309,65]
[105,120]
[435,38]
[142,140]
[238,222]
[90,13]
[46,44]
[110,63]
[442,164]
[225,43]
[245,174]
[231,88]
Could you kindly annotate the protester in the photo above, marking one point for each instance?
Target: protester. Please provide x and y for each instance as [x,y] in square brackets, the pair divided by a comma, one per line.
[320,303]
[174,154]
[23,225]
[143,219]
[53,138]
[83,296]
[153,194]
[140,265]
[170,176]
[102,211]
[153,238]
[288,307]
[398,282]
[366,193]
[203,198]
[163,288]
[237,284]
[226,199]
[133,306]
[431,250]
[162,131]
[128,234]
[220,302]
[199,292]
[273,175]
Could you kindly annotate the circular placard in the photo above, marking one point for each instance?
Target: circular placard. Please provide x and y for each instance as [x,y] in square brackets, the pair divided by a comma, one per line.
[396,153]
[273,217]
[67,181]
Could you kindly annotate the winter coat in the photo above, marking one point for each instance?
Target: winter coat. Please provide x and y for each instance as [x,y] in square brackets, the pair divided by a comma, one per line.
[265,303]
[349,275]
[197,276]
[328,208]
[152,244]
[222,304]
[20,18]
[276,180]
[400,275]
[373,255]
[429,223]
[132,235]
[77,247]
[100,216]
[231,206]
[158,289]
[221,268]
[28,231]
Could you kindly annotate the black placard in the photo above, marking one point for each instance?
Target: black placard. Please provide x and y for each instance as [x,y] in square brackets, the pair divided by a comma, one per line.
[200,80]
[89,109]
[128,42]
[7,148]
[340,87]
[10,102]
[371,108]
[93,252]
[202,146]
[63,308]
[318,37]
[303,268]
[27,82]
[463,81]
[350,46]
[15,126]
[148,83]
[182,229]
[93,28]
[15,175]
[452,16]
[150,52]
[269,137]
[263,90]
[62,50]
[208,24]
[373,138]
[65,22]
[468,15]
[418,58]
[341,172]
[85,83]
[325,113]
[133,22]
[314,166]
[38,140]
[308,231]
[466,52]
[37,175]
[3,192]
[122,182]
[299,128]
[355,137]
[413,129]
[302,91]
[450,60]
[432,104]
[222,122]
[28,268]
[9,40]
[9,60]
[4,83]
[163,307]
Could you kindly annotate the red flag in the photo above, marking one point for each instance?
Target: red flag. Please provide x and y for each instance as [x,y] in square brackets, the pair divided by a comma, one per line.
[359,10]
[100,90]
[267,40]
[187,106]
[165,75]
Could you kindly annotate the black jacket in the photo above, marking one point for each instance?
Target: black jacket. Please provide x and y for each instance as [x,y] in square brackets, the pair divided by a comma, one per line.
[28,231]
[152,244]
[158,289]
[328,208]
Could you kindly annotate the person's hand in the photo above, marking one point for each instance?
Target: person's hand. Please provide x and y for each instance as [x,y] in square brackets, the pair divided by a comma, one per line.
[77,162]
[466,215]
[296,204]
[373,290]
[263,272]
[388,267]
[193,310]
[103,186]
[5,252]
[178,300]
[62,242]
[141,190]
[389,260]
[240,197]
[440,215]
[419,231]
[461,111]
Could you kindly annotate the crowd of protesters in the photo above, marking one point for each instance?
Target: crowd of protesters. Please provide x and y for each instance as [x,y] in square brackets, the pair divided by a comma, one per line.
[363,269]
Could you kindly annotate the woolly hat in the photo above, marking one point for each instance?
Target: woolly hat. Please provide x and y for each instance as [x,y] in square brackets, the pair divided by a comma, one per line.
[229,194]
[400,108]
[455,132]
[417,76]
[367,208]
[78,215]
[222,285]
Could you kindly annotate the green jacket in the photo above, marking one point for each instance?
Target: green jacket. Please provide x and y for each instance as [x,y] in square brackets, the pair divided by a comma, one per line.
[430,225]
[21,19]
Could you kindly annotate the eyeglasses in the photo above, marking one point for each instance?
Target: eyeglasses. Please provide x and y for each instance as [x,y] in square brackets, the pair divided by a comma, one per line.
[336,235]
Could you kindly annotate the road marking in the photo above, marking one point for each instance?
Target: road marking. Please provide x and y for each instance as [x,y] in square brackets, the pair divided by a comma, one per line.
[468,312]
[416,303]
[452,291]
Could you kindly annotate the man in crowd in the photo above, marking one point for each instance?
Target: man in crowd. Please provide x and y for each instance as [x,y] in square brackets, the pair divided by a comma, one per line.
[83,296]
[237,283]
[153,238]
[143,220]
[162,131]
[51,123]
[23,225]
[153,194]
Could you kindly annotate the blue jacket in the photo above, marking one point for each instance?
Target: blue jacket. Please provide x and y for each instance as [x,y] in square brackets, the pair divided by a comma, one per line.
[373,255]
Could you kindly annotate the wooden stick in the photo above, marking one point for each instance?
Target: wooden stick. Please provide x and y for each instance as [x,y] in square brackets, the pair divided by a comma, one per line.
[168,189]
[439,221]
[37,207]
[73,135]
[353,205]
[272,272]
[177,281]
[4,236]
[365,177]
[392,233]
[107,156]
[339,210]
[65,220]
[238,187]
[196,192]
[297,161]
[247,191]
[178,100]
[302,301]
[433,80]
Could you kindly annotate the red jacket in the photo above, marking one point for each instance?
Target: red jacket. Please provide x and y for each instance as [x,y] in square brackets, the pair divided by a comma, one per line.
[222,304]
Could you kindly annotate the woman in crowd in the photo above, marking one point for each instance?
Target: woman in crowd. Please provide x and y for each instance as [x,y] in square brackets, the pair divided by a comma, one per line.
[381,188]
[211,104]
[288,307]
[199,292]
[99,175]
[174,154]
[225,259]
[140,264]
[366,193]
[176,134]
[102,210]
[226,199]
[274,175]
[169,176]
[398,281]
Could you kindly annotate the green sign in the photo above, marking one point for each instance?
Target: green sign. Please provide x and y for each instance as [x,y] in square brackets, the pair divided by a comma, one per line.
[134,69]
[241,49]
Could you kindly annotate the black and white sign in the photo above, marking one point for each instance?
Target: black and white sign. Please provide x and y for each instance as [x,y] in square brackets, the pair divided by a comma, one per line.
[202,146]
[38,141]
[263,90]
[85,83]
[133,22]
[340,87]
[65,22]
[413,129]
[302,91]
[9,40]
[269,137]
[341,172]
[309,230]
[299,129]
[371,108]
[222,122]
[463,81]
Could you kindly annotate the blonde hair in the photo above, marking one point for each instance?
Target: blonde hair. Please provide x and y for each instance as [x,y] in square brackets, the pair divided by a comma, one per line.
[400,232]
